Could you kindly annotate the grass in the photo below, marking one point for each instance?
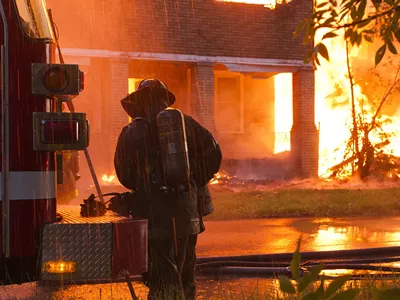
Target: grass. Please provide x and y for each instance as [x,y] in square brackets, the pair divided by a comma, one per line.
[368,290]
[285,203]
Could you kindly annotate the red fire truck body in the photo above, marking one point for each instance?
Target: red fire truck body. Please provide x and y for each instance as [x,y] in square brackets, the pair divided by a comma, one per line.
[33,244]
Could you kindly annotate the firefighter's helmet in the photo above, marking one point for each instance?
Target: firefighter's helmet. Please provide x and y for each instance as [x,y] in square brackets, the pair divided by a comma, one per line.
[148,90]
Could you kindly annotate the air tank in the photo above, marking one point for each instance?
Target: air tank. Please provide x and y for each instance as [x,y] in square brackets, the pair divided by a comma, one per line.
[173,146]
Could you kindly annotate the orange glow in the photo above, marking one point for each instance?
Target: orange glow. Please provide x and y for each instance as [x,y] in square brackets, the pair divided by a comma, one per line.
[60,267]
[283,111]
[331,237]
[109,179]
[332,89]
[267,3]
[333,100]
[220,177]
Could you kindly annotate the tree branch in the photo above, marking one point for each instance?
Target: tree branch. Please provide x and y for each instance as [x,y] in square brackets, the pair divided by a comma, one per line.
[371,18]
[384,98]
[354,133]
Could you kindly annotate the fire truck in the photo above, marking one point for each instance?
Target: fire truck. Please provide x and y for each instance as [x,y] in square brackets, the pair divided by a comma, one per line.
[35,244]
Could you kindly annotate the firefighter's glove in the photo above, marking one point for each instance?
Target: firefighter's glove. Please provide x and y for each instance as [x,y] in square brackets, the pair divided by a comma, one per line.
[92,207]
[121,204]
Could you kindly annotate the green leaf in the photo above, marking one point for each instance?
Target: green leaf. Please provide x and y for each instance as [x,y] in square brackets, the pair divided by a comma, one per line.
[310,30]
[348,33]
[311,296]
[379,54]
[353,13]
[321,289]
[322,4]
[349,294]
[295,263]
[377,3]
[364,23]
[359,39]
[328,23]
[397,35]
[300,27]
[361,9]
[390,294]
[316,59]
[368,38]
[286,285]
[343,14]
[308,57]
[336,284]
[391,47]
[353,37]
[329,35]
[309,277]
[320,12]
[323,51]
[369,31]
[347,6]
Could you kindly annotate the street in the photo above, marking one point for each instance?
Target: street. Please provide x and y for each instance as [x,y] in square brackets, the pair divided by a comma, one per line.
[223,238]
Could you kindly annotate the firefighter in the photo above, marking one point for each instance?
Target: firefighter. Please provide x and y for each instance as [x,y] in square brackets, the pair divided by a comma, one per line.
[174,212]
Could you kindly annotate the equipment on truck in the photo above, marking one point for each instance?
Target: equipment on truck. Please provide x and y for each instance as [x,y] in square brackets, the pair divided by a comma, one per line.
[120,203]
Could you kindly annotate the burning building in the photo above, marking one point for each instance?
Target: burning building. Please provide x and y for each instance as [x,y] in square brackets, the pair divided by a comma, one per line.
[236,67]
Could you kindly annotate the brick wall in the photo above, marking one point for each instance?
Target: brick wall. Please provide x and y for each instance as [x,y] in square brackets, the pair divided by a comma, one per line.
[200,27]
[202,100]
[118,118]
[304,134]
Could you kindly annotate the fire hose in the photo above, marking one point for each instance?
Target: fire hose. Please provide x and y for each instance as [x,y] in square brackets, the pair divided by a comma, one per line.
[311,255]
[271,265]
[246,269]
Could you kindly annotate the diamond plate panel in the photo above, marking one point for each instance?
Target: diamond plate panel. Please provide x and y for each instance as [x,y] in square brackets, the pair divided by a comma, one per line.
[89,245]
[71,215]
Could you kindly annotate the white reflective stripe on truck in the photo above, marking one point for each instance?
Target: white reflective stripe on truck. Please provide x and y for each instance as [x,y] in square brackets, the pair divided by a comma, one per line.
[31,185]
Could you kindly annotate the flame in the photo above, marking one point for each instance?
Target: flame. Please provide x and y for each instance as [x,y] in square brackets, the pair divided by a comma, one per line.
[108,179]
[332,89]
[266,3]
[333,105]
[221,177]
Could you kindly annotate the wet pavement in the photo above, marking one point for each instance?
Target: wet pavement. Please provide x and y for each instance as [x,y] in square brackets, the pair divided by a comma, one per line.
[260,236]
[221,288]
